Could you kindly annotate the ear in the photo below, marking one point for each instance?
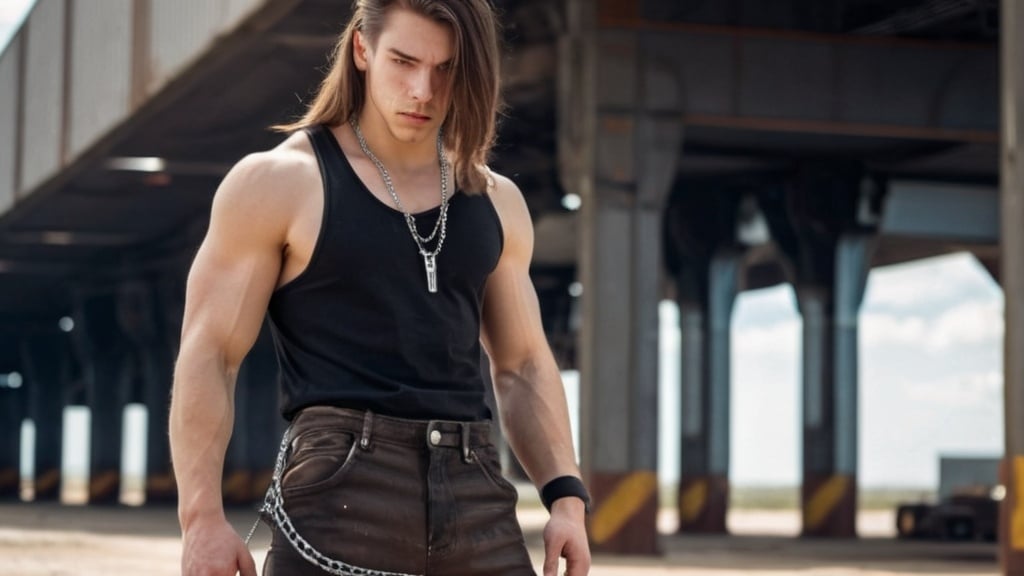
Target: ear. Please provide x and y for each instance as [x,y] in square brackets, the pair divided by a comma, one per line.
[360,48]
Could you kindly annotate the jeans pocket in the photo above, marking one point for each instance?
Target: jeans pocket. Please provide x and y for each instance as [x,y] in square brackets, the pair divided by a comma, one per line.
[319,459]
[486,458]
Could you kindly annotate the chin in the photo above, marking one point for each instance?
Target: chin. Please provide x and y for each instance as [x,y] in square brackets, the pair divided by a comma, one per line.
[413,134]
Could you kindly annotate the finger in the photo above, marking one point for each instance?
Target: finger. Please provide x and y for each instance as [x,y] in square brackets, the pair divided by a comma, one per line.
[576,566]
[247,566]
[552,550]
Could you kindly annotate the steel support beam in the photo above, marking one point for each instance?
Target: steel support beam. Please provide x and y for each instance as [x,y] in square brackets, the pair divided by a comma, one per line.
[944,212]
[780,80]
[1012,186]
[619,144]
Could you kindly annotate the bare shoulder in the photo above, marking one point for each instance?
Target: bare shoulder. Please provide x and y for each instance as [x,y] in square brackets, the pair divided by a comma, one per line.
[265,188]
[512,210]
[271,174]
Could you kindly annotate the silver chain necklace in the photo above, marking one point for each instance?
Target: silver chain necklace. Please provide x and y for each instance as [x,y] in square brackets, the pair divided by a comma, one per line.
[440,227]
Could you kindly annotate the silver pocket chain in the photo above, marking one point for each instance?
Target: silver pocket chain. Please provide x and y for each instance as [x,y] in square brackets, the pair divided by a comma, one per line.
[273,506]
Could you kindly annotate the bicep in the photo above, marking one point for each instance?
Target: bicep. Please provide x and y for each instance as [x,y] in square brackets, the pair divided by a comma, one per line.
[512,327]
[226,300]
[233,276]
[511,317]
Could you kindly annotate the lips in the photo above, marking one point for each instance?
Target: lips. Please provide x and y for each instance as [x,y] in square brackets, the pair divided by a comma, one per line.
[415,116]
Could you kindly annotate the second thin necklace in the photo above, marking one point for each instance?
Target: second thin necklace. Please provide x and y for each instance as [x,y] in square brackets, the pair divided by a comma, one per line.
[440,227]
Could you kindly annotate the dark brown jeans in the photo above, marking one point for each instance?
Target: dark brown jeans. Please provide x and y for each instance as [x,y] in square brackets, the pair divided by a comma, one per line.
[394,495]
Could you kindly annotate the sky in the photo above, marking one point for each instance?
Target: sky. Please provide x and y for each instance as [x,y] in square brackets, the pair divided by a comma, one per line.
[930,381]
[11,14]
[930,372]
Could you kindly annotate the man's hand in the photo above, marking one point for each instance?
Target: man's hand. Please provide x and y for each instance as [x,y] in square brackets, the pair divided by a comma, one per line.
[213,548]
[566,536]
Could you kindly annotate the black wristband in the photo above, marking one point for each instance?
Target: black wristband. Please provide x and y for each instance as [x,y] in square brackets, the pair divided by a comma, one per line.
[564,486]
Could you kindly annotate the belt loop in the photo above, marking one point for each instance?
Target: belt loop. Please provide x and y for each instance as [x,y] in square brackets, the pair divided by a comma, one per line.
[465,443]
[364,441]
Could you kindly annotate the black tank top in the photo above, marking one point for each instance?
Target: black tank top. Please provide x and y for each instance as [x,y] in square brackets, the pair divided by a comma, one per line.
[358,327]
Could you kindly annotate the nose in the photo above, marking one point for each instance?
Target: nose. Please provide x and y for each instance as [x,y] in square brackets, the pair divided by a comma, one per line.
[421,85]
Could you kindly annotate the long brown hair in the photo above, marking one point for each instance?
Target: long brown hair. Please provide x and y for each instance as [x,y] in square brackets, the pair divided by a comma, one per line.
[476,100]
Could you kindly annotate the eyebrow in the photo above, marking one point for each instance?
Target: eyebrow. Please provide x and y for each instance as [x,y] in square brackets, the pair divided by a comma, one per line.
[412,58]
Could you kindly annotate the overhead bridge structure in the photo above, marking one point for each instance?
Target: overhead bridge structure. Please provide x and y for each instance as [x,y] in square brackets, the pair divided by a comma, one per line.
[711,148]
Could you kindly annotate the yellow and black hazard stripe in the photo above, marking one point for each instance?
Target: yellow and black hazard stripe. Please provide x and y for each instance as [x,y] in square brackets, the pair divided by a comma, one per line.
[624,518]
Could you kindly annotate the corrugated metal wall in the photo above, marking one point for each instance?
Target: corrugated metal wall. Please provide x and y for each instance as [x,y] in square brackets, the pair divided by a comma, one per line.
[182,30]
[9,64]
[101,58]
[87,65]
[44,80]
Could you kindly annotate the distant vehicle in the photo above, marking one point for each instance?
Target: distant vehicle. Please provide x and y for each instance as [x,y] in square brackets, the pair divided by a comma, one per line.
[972,514]
[967,507]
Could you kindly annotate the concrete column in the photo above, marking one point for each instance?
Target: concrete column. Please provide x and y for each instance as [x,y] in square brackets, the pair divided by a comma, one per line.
[853,264]
[704,474]
[724,283]
[830,312]
[45,358]
[693,445]
[619,153]
[158,347]
[12,412]
[1012,185]
[826,499]
[105,356]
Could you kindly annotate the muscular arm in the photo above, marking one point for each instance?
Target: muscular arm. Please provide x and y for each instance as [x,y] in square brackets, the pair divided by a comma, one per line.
[229,286]
[527,382]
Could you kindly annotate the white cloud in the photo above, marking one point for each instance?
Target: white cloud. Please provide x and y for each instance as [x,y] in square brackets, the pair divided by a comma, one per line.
[960,391]
[925,283]
[973,322]
[781,338]
[967,324]
[880,330]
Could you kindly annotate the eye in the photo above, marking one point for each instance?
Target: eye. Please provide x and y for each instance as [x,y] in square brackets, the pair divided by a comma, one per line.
[445,68]
[401,61]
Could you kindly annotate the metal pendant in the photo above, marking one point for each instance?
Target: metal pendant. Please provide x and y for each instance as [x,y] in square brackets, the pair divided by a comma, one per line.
[430,261]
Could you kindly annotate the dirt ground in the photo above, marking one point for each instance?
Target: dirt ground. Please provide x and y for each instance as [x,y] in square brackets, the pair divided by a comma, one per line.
[52,540]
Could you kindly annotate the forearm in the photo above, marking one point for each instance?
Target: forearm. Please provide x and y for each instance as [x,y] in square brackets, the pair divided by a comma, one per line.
[535,417]
[201,419]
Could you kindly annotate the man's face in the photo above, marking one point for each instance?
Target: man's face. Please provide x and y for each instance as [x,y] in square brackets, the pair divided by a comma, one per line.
[407,74]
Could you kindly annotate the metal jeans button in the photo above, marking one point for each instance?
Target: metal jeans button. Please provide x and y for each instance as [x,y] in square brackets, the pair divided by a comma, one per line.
[435,437]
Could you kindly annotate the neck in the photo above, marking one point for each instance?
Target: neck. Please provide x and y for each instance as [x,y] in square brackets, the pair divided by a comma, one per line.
[397,155]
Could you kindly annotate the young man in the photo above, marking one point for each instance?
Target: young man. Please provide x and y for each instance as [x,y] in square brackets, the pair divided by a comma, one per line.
[384,251]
